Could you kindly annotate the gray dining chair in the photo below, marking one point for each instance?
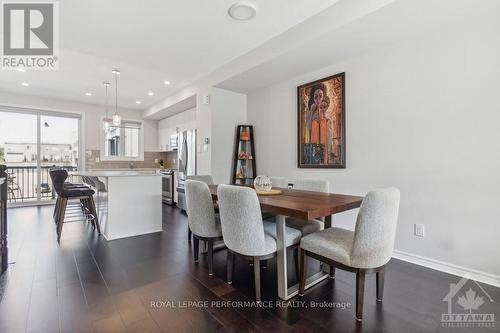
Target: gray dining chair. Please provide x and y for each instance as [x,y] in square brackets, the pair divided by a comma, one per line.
[202,220]
[317,185]
[278,182]
[245,234]
[207,179]
[367,249]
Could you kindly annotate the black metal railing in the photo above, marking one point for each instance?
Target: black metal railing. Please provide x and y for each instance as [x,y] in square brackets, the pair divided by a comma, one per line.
[22,182]
[3,219]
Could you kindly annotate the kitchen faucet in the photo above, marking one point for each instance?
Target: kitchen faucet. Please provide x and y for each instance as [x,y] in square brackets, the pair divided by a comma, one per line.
[131,165]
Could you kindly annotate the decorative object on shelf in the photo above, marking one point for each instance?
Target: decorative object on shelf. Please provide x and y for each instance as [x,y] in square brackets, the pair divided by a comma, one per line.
[244,169]
[106,119]
[245,136]
[321,123]
[117,119]
[262,183]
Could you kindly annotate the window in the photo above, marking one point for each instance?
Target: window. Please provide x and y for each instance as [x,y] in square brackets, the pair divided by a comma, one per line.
[124,142]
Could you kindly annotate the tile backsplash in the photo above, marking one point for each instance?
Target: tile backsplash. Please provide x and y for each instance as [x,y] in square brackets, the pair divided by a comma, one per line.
[169,161]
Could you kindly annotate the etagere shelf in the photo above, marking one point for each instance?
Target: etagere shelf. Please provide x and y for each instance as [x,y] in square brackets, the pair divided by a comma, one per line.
[244,169]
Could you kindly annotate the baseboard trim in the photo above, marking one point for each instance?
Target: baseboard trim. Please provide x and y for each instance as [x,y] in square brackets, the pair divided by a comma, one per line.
[442,266]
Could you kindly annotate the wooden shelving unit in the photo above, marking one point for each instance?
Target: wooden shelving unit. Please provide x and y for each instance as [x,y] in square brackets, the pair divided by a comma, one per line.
[244,169]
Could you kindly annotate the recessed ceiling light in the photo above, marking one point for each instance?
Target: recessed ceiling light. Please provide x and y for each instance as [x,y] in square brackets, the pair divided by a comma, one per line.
[88,94]
[138,102]
[22,70]
[25,84]
[167,83]
[242,11]
[150,93]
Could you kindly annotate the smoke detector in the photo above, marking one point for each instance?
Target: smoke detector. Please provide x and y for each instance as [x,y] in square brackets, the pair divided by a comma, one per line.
[242,11]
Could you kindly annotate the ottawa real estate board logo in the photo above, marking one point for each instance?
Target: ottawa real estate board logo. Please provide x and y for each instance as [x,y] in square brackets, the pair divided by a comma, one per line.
[468,305]
[30,35]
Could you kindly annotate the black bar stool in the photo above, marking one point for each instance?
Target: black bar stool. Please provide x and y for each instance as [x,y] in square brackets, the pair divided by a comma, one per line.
[67,191]
[67,185]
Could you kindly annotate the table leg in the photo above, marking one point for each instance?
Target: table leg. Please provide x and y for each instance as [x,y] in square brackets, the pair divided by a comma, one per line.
[328,221]
[328,224]
[281,251]
[284,292]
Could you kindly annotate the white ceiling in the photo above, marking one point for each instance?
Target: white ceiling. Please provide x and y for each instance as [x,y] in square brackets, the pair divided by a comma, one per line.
[150,42]
[398,20]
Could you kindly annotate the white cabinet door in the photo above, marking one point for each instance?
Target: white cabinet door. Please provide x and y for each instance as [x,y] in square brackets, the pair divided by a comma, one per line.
[163,136]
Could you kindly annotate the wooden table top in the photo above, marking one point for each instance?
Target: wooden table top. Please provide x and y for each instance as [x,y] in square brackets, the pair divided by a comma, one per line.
[305,205]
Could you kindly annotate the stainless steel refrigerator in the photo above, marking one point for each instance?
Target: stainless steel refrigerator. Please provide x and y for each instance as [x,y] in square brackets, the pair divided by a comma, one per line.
[186,162]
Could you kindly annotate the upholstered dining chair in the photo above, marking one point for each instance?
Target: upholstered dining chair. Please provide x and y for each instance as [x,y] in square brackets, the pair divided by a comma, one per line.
[317,185]
[278,181]
[245,234]
[207,179]
[202,220]
[366,250]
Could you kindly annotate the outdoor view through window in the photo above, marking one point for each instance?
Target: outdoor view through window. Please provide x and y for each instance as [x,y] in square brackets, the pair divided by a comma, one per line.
[24,137]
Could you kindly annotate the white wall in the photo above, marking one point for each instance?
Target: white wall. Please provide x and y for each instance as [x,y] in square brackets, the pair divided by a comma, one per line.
[217,121]
[422,115]
[92,115]
[228,111]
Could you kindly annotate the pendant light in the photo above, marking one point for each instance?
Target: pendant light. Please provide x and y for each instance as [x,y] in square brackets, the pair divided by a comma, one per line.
[106,119]
[117,119]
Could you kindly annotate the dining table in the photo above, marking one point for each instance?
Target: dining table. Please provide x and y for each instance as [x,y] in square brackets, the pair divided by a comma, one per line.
[305,205]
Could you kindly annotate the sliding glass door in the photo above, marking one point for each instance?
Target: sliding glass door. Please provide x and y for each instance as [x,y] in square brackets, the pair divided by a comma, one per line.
[31,142]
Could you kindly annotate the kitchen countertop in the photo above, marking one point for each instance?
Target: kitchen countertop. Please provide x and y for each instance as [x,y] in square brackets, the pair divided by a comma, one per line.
[116,173]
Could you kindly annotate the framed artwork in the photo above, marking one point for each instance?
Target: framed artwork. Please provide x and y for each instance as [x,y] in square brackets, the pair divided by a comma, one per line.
[321,125]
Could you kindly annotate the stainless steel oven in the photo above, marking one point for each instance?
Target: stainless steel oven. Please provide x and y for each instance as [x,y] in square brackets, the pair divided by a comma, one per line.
[167,185]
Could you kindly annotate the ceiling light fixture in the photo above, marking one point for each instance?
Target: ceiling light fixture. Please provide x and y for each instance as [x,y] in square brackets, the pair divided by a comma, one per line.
[167,83]
[106,119]
[25,84]
[138,102]
[88,94]
[117,120]
[242,11]
[150,93]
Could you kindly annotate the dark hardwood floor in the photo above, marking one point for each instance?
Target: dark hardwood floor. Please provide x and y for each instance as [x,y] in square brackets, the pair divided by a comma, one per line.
[87,284]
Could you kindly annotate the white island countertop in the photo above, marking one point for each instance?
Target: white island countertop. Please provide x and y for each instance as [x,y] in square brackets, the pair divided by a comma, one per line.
[116,173]
[129,202]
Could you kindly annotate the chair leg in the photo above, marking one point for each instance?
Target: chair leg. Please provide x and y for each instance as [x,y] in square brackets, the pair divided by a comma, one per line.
[210,257]
[230,265]
[196,248]
[60,220]
[55,208]
[380,284]
[256,272]
[296,261]
[93,210]
[302,280]
[360,292]
[189,235]
[332,272]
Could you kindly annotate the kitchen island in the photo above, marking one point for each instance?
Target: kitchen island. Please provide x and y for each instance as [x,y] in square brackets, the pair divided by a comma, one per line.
[129,203]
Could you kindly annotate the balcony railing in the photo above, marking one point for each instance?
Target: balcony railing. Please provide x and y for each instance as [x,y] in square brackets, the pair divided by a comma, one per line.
[22,183]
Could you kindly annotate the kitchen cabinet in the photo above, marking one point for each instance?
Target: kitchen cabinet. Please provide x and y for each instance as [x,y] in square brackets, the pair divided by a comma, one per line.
[167,127]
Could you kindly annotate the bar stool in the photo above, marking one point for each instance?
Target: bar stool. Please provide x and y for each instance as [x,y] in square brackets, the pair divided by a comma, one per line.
[69,192]
[69,186]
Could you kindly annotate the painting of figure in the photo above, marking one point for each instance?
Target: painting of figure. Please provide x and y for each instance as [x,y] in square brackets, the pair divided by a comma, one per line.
[321,113]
